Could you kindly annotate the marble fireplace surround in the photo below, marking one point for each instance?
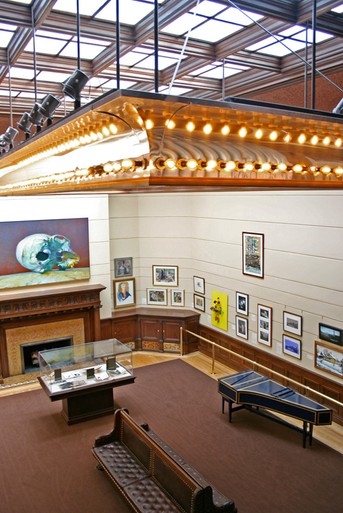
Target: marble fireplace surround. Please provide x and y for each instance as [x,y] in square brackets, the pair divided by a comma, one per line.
[43,315]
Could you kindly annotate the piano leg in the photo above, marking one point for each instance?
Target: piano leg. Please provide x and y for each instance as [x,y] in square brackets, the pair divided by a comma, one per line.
[307,433]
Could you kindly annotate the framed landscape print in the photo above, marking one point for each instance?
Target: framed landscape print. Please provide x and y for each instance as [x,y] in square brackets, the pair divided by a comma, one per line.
[165,275]
[329,358]
[264,325]
[157,297]
[123,267]
[331,334]
[199,302]
[242,303]
[291,346]
[124,292]
[177,297]
[253,254]
[199,285]
[292,323]
[242,327]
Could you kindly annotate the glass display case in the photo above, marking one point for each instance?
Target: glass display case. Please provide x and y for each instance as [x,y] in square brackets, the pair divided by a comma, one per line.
[83,365]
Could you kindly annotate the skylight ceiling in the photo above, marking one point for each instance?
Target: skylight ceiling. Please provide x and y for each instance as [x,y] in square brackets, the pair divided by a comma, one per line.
[205,49]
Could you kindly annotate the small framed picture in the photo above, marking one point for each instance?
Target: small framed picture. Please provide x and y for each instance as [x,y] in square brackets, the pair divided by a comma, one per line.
[123,267]
[198,285]
[291,346]
[124,292]
[199,302]
[177,297]
[157,297]
[165,275]
[264,325]
[242,303]
[331,334]
[242,327]
[328,358]
[292,323]
[253,254]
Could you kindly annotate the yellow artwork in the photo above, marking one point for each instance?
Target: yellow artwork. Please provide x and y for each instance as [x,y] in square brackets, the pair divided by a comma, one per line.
[219,308]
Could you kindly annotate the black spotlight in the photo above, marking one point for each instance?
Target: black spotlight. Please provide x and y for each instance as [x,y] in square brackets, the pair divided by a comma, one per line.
[9,136]
[36,117]
[339,108]
[48,107]
[74,84]
[25,124]
[3,145]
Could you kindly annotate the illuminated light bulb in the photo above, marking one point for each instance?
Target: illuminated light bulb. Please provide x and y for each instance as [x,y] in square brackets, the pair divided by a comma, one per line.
[105,131]
[242,132]
[297,168]
[273,135]
[338,171]
[127,163]
[314,140]
[170,164]
[207,128]
[225,130]
[190,126]
[81,172]
[266,166]
[338,142]
[82,139]
[230,165]
[113,128]
[326,141]
[88,139]
[259,133]
[149,124]
[249,166]
[192,164]
[211,165]
[301,138]
[325,170]
[313,169]
[93,136]
[170,123]
[116,166]
[108,167]
[287,138]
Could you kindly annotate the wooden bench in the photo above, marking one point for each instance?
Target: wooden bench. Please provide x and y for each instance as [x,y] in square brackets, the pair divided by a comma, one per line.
[150,476]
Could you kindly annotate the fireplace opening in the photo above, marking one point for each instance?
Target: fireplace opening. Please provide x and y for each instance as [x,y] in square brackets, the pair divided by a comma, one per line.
[30,351]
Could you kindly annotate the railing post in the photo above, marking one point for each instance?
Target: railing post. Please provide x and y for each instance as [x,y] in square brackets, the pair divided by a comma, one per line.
[181,341]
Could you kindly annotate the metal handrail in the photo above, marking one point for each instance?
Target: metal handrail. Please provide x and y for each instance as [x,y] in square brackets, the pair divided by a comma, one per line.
[254,363]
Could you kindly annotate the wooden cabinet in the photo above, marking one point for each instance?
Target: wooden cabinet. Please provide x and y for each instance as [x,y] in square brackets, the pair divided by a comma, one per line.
[160,335]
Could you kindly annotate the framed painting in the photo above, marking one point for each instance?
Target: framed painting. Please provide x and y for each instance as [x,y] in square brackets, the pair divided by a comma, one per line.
[177,297]
[291,346]
[292,323]
[331,334]
[242,327]
[157,297]
[328,358]
[123,267]
[199,302]
[264,325]
[165,275]
[242,303]
[253,254]
[198,285]
[43,252]
[124,292]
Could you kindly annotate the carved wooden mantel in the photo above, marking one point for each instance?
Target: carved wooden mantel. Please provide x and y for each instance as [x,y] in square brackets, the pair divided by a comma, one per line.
[45,311]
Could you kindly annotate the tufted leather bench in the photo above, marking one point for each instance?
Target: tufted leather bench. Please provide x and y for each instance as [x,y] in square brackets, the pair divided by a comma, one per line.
[146,473]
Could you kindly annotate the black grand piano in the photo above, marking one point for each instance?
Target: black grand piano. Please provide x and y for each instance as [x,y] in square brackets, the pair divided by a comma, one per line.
[258,393]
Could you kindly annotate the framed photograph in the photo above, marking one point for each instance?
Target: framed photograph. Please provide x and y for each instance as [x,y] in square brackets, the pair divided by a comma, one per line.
[253,254]
[199,302]
[264,325]
[198,285]
[331,334]
[242,327]
[242,303]
[157,297]
[123,267]
[328,358]
[124,292]
[165,275]
[292,323]
[291,346]
[177,297]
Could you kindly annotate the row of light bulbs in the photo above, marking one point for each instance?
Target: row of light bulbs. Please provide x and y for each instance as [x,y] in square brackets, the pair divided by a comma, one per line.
[258,133]
[138,166]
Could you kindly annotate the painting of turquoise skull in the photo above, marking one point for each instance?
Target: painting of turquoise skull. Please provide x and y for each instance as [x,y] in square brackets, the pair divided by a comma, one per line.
[43,252]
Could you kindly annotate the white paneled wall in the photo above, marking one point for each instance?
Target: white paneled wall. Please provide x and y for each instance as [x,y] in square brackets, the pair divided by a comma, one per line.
[202,234]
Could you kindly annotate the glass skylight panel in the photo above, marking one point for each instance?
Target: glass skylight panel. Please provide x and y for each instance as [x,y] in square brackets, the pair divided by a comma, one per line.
[243,18]
[219,72]
[54,35]
[132,58]
[261,44]
[284,48]
[27,74]
[163,63]
[183,24]
[213,31]
[130,11]
[174,90]
[52,76]
[124,84]
[87,7]
[201,70]
[5,38]
[207,8]
[338,9]
[45,45]
[88,52]
[27,94]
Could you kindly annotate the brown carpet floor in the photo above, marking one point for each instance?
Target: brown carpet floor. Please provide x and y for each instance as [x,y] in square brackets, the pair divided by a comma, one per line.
[47,466]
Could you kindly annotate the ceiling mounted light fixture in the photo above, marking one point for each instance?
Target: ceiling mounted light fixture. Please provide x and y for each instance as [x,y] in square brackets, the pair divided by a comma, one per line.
[25,124]
[48,107]
[73,86]
[36,117]
[9,135]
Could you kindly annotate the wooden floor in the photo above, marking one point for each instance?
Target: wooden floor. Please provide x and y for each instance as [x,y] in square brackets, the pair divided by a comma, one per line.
[329,435]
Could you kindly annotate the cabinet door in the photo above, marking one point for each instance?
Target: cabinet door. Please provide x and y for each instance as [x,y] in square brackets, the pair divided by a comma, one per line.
[125,330]
[171,335]
[151,334]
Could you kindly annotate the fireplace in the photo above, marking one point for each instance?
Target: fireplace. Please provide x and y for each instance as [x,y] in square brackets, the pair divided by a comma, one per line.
[30,350]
